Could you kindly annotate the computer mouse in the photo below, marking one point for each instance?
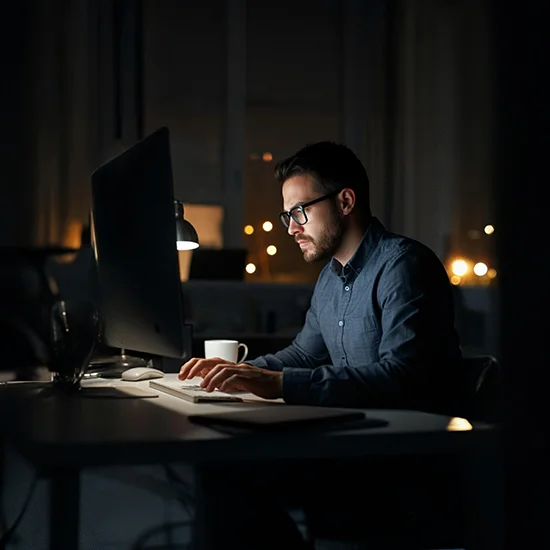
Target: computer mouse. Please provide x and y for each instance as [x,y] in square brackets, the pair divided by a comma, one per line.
[135,374]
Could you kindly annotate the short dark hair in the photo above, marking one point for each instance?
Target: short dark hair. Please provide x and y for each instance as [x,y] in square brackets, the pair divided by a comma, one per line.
[332,166]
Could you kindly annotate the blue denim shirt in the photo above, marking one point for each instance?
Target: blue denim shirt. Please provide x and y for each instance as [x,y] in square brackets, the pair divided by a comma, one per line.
[379,331]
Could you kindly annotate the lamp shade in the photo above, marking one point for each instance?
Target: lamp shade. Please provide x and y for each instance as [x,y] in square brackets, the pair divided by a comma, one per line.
[186,235]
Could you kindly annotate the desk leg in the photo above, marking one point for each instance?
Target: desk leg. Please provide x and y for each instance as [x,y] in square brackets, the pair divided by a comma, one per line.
[64,508]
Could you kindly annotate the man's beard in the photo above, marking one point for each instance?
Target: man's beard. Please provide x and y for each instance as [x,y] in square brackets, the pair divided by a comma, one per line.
[326,245]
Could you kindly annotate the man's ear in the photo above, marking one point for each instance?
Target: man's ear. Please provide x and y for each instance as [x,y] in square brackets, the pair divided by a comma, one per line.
[347,200]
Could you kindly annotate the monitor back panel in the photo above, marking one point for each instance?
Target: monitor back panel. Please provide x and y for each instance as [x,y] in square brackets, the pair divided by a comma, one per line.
[134,237]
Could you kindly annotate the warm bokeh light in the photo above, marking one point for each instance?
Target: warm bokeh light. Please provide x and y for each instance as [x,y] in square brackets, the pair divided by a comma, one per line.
[492,273]
[455,280]
[271,250]
[489,229]
[267,157]
[267,226]
[73,234]
[480,269]
[250,268]
[72,238]
[248,229]
[459,267]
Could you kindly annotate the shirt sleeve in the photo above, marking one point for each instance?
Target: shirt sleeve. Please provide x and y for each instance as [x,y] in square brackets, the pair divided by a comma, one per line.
[307,351]
[417,320]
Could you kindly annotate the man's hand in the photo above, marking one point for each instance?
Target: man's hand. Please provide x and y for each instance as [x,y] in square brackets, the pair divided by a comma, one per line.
[199,367]
[228,377]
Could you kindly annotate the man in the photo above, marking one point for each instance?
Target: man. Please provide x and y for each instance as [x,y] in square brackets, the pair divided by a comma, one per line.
[380,328]
[379,333]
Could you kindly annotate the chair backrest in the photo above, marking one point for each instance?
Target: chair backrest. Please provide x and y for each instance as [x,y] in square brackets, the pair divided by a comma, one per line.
[484,386]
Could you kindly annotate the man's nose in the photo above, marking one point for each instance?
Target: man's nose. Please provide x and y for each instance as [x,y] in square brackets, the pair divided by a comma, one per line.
[294,228]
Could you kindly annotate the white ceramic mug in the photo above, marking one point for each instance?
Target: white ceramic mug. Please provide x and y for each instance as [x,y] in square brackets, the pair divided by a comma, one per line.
[226,349]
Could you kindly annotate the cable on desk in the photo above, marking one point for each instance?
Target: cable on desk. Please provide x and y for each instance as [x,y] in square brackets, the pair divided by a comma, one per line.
[9,533]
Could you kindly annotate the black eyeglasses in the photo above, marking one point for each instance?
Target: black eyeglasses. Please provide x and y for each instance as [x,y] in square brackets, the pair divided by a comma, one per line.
[298,213]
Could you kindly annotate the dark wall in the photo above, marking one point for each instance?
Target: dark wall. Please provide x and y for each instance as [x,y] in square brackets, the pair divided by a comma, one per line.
[521,182]
[14,175]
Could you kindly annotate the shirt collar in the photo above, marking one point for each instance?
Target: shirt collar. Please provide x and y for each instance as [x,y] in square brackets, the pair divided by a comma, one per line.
[358,261]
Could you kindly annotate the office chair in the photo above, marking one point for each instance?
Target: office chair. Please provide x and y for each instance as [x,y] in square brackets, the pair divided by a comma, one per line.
[484,388]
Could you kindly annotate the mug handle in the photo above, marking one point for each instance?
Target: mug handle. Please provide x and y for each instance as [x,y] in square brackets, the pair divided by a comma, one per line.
[245,352]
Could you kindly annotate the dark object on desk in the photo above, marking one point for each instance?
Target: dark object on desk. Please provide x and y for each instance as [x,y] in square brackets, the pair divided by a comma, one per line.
[27,304]
[35,329]
[225,264]
[286,418]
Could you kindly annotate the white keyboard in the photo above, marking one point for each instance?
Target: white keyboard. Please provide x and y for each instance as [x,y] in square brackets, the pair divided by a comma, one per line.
[191,392]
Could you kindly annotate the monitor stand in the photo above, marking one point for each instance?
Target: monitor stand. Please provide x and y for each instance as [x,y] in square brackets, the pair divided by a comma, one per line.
[114,366]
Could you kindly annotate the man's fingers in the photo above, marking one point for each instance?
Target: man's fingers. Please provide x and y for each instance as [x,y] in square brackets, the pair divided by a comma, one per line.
[206,383]
[184,370]
[219,377]
[195,368]
[189,369]
[202,366]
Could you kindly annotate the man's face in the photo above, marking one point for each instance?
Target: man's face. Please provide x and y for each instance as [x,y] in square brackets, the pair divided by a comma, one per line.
[321,236]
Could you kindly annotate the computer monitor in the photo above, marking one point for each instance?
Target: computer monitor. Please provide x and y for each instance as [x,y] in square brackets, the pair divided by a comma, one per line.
[134,238]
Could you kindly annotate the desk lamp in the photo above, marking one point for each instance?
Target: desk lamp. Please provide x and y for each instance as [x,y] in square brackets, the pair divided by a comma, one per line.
[186,236]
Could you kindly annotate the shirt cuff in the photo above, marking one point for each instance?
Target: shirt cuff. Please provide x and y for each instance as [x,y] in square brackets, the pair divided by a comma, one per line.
[296,384]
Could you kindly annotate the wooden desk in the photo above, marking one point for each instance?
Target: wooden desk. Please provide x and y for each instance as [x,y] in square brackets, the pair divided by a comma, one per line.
[62,435]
